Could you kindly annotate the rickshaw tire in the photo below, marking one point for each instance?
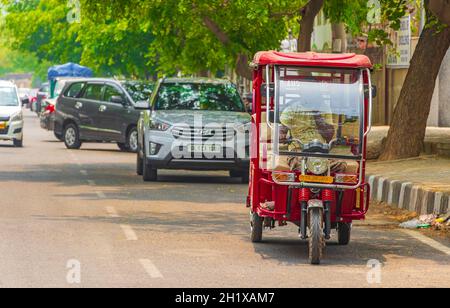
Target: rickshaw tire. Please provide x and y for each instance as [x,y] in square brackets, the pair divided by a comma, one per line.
[316,238]
[344,233]
[257,228]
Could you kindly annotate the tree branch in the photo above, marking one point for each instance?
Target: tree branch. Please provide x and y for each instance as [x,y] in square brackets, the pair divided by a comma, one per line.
[216,30]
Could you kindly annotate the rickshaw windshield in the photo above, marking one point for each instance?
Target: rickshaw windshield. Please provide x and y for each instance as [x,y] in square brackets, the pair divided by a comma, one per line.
[319,111]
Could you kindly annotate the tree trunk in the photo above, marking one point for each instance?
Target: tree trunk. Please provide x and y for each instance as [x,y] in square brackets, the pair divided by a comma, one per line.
[441,8]
[408,127]
[339,38]
[308,13]
[243,67]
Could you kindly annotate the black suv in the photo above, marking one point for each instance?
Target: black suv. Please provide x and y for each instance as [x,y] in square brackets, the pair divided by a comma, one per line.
[100,110]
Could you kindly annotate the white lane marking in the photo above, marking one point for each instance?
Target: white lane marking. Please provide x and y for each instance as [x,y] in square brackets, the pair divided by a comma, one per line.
[151,269]
[100,194]
[129,233]
[428,241]
[84,172]
[112,212]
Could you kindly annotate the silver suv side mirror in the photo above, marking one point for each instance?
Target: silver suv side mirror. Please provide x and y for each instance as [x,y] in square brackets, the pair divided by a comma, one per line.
[142,105]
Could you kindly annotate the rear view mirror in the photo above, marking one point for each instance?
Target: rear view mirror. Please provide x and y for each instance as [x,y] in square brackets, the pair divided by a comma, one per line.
[271,90]
[117,100]
[25,101]
[374,91]
[142,105]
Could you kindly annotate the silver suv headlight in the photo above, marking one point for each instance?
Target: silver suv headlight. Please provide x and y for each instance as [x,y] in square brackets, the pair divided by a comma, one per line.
[159,126]
[17,117]
[317,166]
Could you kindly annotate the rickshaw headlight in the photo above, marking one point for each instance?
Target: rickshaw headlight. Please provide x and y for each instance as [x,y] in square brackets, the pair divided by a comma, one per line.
[283,177]
[317,166]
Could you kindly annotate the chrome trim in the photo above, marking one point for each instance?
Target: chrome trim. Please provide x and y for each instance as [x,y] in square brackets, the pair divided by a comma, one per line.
[268,96]
[369,125]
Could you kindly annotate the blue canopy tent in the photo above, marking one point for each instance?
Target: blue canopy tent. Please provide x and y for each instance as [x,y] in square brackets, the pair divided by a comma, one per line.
[67,70]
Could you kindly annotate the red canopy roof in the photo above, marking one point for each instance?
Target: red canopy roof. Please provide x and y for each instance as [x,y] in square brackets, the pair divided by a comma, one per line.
[349,60]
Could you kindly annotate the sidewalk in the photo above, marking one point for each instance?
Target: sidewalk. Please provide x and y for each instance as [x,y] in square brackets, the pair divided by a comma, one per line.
[437,141]
[420,185]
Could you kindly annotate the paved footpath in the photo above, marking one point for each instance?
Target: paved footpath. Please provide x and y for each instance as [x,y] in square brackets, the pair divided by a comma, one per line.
[64,213]
[420,185]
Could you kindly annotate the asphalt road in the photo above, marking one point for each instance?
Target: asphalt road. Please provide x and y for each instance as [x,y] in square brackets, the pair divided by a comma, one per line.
[84,219]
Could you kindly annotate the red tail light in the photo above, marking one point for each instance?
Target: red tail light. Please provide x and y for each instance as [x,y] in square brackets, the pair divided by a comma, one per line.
[50,108]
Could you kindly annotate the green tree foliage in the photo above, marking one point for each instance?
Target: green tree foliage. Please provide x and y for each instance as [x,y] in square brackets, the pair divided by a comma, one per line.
[359,17]
[197,35]
[135,38]
[110,47]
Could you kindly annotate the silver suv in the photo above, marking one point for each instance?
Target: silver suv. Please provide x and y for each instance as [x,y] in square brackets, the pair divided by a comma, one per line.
[194,124]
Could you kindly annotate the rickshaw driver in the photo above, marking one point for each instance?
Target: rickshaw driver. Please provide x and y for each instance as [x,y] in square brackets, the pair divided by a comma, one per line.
[306,126]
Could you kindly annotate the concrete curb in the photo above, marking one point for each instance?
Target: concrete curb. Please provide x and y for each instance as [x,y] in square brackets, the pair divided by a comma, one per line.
[408,196]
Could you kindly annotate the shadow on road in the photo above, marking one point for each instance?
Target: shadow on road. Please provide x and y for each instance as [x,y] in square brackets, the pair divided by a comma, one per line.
[122,183]
[6,145]
[367,244]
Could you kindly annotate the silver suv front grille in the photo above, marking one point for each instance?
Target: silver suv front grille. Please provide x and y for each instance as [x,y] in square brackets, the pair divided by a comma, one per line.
[204,134]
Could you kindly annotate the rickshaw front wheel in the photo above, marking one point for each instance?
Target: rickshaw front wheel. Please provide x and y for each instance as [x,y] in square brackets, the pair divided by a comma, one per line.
[316,236]
[257,228]
[344,233]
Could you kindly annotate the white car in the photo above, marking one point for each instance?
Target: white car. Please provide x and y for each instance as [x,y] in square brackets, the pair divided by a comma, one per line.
[11,116]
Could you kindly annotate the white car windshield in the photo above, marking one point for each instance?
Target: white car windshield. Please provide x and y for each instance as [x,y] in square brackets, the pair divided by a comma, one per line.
[8,97]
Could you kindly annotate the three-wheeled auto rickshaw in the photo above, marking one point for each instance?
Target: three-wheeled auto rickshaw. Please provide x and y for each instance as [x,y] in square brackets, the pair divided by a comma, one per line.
[311,117]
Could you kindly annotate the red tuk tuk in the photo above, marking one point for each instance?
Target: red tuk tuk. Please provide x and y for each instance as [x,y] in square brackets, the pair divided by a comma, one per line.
[311,117]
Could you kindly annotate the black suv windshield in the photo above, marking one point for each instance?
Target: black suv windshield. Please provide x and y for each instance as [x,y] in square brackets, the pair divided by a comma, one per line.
[139,91]
[8,97]
[192,96]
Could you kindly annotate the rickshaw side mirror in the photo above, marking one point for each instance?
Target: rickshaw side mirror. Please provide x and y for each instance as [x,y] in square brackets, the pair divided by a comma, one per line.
[271,90]
[272,117]
[374,91]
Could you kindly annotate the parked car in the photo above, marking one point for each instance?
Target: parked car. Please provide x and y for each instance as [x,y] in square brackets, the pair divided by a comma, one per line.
[48,106]
[25,95]
[42,94]
[100,110]
[171,136]
[11,116]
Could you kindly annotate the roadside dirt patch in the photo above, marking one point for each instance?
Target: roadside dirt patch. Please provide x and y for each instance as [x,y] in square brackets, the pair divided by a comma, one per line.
[392,217]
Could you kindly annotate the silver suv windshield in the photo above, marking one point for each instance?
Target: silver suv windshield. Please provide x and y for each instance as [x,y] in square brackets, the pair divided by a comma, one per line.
[8,97]
[201,96]
[139,91]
